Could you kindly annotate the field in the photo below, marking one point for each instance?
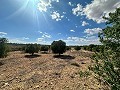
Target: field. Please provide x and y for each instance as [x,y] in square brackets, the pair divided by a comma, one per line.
[20,72]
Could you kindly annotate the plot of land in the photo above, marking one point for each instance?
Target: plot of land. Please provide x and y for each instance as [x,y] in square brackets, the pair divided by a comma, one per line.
[46,72]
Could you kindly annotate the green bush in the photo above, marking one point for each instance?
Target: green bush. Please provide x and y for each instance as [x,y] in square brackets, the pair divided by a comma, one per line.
[84,74]
[44,48]
[3,47]
[68,48]
[107,62]
[58,47]
[32,48]
[77,48]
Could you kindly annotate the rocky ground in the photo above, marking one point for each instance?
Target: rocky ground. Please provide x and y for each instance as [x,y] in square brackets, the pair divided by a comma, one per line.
[46,72]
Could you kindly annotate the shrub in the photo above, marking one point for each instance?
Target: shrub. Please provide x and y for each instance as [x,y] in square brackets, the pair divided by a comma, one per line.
[77,48]
[107,62]
[84,74]
[44,48]
[68,48]
[32,48]
[3,47]
[58,47]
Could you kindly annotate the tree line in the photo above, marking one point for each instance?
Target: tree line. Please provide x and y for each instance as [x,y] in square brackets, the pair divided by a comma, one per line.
[57,47]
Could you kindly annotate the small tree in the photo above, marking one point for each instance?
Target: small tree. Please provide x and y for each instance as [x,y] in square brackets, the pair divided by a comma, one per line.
[44,48]
[58,47]
[3,47]
[68,48]
[32,48]
[77,48]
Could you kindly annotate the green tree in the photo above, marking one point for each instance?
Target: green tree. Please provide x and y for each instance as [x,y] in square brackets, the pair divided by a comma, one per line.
[77,48]
[3,47]
[68,48]
[32,48]
[44,48]
[107,63]
[58,47]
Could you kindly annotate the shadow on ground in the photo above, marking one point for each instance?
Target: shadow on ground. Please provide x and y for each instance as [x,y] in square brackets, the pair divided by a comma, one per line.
[64,56]
[32,56]
[1,63]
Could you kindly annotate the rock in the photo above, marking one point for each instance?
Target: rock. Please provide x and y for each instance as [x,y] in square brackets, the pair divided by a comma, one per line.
[37,86]
[6,84]
[67,86]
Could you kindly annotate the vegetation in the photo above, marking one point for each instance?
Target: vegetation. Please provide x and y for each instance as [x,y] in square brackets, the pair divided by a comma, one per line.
[68,48]
[3,47]
[16,46]
[32,48]
[58,47]
[93,48]
[107,63]
[44,48]
[77,48]
[84,74]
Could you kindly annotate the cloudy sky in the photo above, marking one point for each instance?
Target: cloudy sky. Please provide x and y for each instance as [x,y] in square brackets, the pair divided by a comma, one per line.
[77,22]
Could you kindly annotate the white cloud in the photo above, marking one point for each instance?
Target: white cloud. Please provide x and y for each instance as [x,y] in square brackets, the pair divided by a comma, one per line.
[40,39]
[84,23]
[72,30]
[56,16]
[2,34]
[78,10]
[70,3]
[92,31]
[19,40]
[59,33]
[43,5]
[98,8]
[64,12]
[82,40]
[40,32]
[46,35]
[44,39]
[68,19]
[25,38]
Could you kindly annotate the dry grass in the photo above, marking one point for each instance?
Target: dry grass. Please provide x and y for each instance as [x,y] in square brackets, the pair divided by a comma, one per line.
[46,72]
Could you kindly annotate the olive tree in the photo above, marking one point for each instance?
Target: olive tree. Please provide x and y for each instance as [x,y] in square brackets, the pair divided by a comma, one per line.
[58,47]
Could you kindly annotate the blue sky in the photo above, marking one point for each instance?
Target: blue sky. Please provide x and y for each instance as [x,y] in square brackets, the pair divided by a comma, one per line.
[76,22]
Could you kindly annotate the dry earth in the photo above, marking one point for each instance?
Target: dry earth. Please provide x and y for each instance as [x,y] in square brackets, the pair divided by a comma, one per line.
[45,72]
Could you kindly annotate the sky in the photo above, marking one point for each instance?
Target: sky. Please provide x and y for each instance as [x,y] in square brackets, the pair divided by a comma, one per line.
[77,22]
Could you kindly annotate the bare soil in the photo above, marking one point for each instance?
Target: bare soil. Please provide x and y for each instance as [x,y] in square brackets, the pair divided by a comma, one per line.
[46,72]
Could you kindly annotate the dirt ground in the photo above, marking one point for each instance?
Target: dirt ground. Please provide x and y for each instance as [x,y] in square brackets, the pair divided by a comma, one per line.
[46,72]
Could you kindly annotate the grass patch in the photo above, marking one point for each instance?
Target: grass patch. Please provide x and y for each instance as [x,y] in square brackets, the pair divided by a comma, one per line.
[84,74]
